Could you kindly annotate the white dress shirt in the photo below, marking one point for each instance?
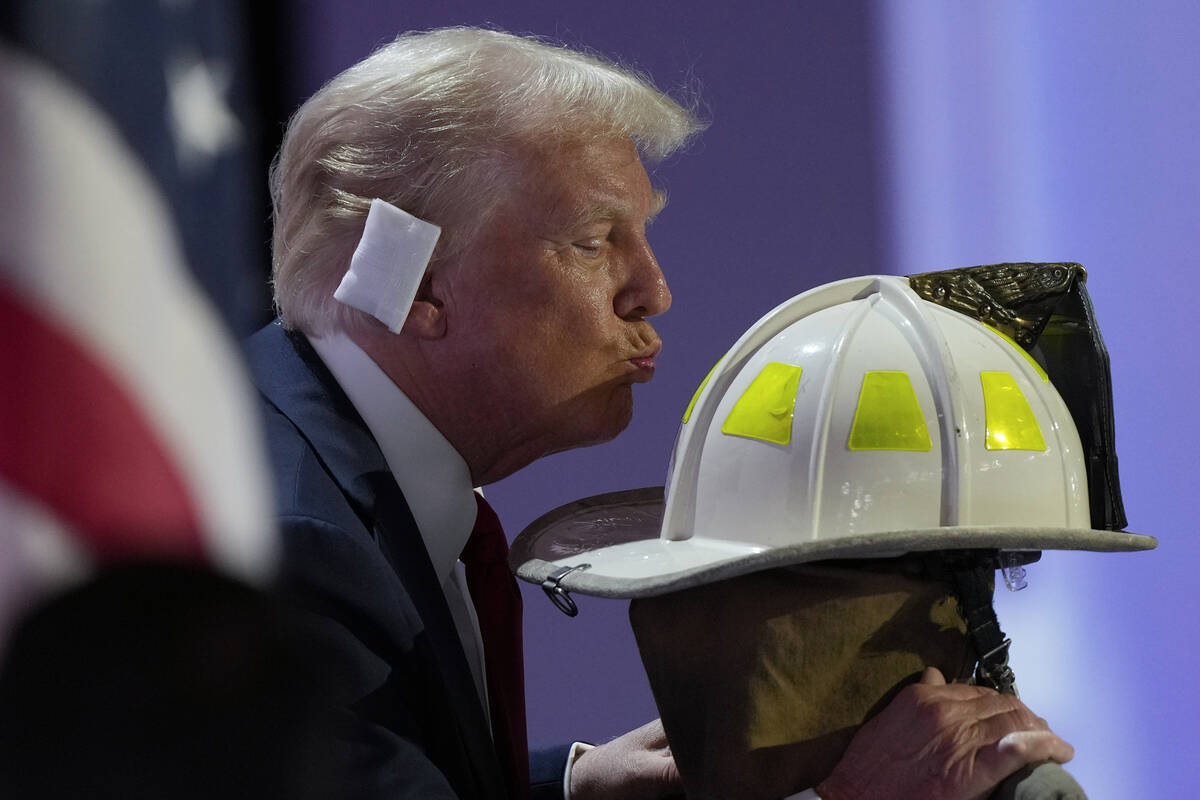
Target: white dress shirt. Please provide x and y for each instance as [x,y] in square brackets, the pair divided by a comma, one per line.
[432,475]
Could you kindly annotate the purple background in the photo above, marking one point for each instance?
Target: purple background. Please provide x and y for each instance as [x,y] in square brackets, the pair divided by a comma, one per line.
[900,136]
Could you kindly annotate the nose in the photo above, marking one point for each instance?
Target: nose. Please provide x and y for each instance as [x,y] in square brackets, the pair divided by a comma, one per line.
[645,292]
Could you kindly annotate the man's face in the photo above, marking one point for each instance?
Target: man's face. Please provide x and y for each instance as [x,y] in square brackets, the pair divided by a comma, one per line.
[547,313]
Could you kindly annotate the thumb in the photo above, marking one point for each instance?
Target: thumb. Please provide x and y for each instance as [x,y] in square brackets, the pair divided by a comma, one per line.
[932,676]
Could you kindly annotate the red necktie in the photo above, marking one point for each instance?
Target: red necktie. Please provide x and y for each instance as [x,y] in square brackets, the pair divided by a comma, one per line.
[497,603]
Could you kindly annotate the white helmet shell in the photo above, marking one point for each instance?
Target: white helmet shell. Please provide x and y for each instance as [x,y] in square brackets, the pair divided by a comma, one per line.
[871,415]
[855,420]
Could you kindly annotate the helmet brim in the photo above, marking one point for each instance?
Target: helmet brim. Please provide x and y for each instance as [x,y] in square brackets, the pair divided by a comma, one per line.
[617,536]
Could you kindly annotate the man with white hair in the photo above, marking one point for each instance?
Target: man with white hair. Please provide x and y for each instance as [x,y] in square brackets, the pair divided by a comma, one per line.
[522,336]
[464,286]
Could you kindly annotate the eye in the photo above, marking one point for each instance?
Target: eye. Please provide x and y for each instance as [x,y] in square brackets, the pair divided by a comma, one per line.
[589,247]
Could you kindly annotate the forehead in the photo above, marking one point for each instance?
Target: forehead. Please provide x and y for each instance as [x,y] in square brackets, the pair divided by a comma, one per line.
[578,181]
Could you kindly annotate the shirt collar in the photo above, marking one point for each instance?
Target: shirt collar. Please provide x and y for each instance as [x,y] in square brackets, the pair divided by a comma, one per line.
[429,471]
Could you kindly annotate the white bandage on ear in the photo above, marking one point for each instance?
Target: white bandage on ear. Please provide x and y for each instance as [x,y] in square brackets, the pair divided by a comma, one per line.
[388,264]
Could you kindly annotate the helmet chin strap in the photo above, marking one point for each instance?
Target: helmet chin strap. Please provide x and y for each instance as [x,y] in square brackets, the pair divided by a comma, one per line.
[972,573]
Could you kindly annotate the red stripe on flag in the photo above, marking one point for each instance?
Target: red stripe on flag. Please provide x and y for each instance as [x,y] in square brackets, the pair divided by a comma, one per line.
[75,440]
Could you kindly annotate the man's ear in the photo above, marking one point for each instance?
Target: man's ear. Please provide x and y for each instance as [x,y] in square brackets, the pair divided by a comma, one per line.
[427,317]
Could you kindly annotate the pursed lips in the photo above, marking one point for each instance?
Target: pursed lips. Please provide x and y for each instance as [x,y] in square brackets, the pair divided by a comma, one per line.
[646,358]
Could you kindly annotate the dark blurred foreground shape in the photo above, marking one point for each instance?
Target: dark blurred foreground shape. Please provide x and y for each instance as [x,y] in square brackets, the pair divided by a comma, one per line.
[158,680]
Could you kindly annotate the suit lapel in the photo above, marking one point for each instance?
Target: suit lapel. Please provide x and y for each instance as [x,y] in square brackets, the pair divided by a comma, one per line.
[294,379]
[409,558]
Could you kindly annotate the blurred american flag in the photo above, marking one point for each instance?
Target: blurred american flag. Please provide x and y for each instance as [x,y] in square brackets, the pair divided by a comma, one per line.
[131,231]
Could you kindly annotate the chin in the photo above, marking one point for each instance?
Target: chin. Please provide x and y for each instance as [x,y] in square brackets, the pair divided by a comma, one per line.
[605,428]
[588,423]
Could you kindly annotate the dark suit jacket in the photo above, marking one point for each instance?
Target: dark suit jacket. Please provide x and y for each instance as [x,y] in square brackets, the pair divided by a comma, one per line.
[406,719]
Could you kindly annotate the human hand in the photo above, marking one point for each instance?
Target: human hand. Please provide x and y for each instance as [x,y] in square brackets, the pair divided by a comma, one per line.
[939,741]
[636,766]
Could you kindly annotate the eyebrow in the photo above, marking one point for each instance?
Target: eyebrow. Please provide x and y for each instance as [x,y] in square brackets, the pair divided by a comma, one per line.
[605,212]
[657,204]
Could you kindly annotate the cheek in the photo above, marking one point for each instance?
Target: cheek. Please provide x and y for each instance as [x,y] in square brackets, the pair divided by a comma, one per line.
[589,320]
[563,345]
[582,324]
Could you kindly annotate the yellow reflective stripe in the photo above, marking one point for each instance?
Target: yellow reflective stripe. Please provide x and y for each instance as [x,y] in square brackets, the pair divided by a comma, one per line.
[1032,361]
[1011,424]
[696,395]
[888,416]
[765,409]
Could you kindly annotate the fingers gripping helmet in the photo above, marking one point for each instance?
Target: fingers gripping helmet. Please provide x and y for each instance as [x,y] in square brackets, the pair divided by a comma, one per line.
[854,420]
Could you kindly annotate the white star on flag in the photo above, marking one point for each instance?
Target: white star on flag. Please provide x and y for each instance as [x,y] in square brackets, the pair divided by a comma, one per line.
[199,116]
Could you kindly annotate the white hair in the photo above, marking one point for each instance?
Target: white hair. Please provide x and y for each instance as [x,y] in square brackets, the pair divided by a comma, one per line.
[434,123]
